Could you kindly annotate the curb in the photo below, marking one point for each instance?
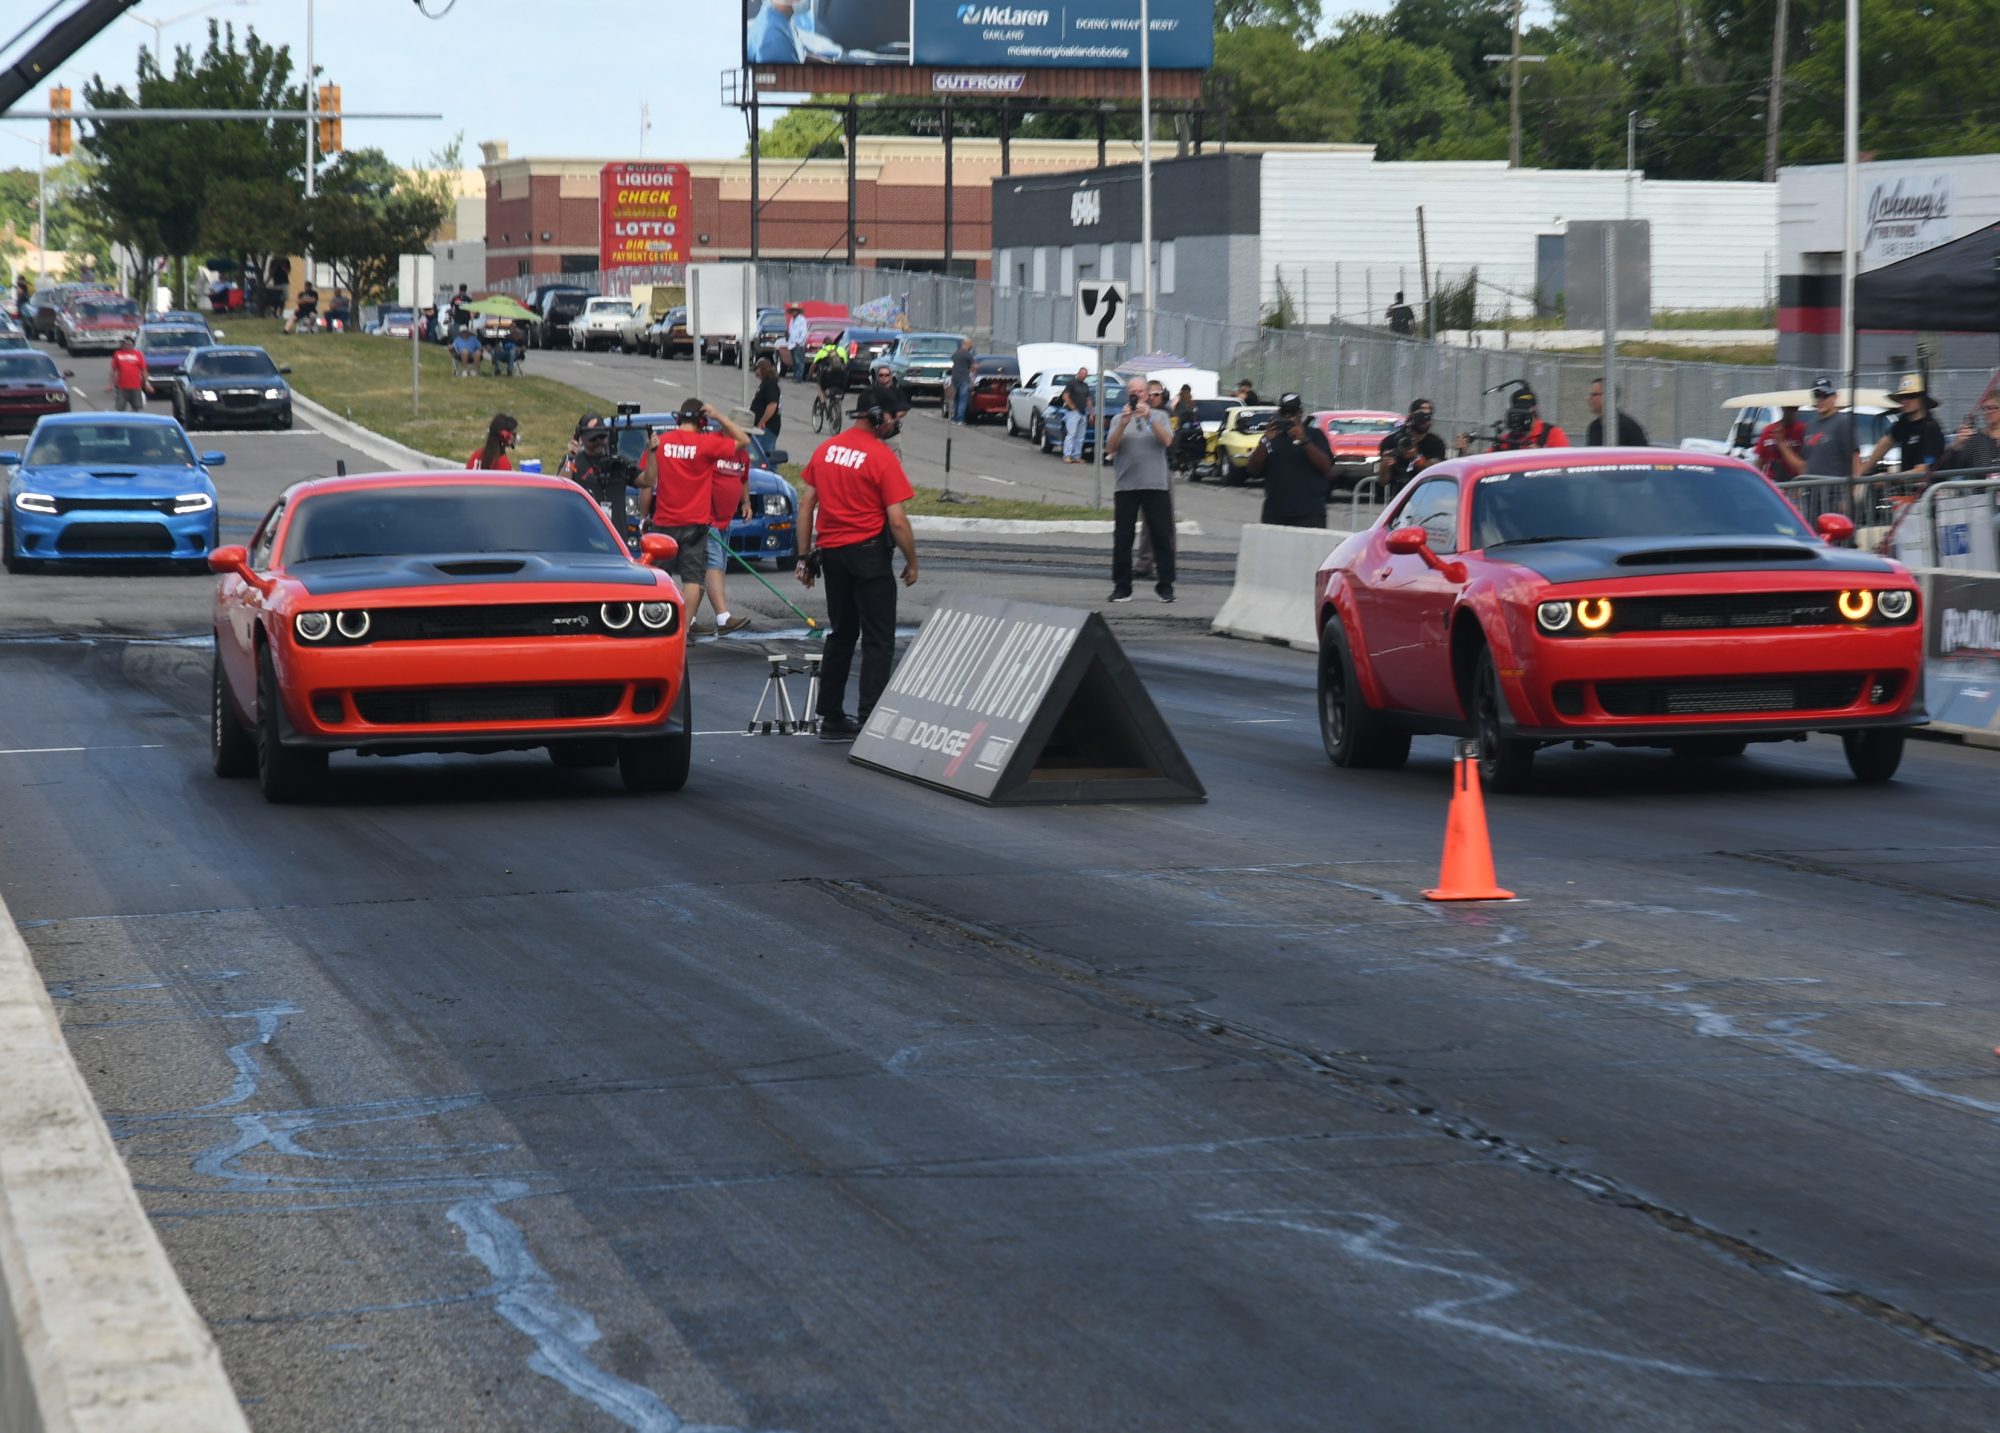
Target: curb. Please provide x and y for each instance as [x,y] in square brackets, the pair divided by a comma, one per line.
[96,1332]
[1005,525]
[381,449]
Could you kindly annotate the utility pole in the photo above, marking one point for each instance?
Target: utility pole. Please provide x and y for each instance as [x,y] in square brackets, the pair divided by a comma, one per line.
[1146,166]
[1850,259]
[1513,91]
[312,120]
[1775,106]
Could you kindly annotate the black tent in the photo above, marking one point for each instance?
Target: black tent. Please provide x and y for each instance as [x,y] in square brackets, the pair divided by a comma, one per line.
[1954,288]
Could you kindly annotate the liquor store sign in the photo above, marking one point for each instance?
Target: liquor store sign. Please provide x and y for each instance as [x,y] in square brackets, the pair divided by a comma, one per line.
[641,215]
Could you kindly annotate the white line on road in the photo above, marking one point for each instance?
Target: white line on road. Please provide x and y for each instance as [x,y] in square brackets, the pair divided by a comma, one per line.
[1260,721]
[52,750]
[666,383]
[1003,482]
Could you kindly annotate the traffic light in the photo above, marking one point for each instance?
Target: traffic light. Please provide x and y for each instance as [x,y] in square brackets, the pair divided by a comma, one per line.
[62,136]
[329,120]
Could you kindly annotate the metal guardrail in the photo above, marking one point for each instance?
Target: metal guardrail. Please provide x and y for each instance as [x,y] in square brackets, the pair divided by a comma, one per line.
[1949,519]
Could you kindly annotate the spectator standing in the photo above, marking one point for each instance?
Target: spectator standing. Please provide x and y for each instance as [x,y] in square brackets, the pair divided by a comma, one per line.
[961,380]
[1137,446]
[677,486]
[1246,394]
[851,498]
[1076,408]
[1409,450]
[1294,460]
[889,393]
[1789,432]
[1184,410]
[1980,448]
[1524,427]
[795,345]
[22,293]
[459,316]
[128,378]
[1826,446]
[1915,434]
[501,435]
[1156,394]
[765,419]
[1630,433]
[1402,318]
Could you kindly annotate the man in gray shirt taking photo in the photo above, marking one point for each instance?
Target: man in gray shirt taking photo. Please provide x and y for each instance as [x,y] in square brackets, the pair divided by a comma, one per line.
[1137,446]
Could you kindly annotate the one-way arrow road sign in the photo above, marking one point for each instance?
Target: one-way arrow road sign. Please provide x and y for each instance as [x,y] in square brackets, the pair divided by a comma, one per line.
[1100,314]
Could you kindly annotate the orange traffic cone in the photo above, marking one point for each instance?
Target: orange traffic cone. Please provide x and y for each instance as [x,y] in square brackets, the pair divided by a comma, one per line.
[1467,871]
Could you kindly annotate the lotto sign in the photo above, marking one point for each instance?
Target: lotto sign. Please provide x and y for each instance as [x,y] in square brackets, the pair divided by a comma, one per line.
[641,215]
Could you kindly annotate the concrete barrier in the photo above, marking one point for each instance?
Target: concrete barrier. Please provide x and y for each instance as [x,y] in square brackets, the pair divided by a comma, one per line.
[96,1333]
[1272,599]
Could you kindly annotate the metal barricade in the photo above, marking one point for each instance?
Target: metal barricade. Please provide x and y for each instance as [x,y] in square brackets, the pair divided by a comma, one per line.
[1955,524]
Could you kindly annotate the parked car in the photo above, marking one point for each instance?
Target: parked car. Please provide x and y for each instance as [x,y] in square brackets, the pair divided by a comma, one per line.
[395,323]
[769,534]
[1635,596]
[13,338]
[1029,401]
[993,378]
[446,612]
[668,336]
[31,387]
[1110,393]
[868,344]
[726,349]
[235,385]
[557,308]
[167,346]
[1355,435]
[98,487]
[1242,430]
[1751,413]
[922,361]
[607,323]
[43,306]
[1211,414]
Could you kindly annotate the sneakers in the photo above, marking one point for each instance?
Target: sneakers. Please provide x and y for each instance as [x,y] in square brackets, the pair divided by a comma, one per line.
[838,727]
[1125,596]
[736,622]
[702,629]
[1166,594]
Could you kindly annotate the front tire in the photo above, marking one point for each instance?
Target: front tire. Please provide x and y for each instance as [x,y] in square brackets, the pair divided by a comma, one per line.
[285,774]
[1353,733]
[231,751]
[1874,755]
[661,763]
[1505,763]
[1013,428]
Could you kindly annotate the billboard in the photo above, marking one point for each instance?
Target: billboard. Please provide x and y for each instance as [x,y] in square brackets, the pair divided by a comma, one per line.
[977,34]
[639,209]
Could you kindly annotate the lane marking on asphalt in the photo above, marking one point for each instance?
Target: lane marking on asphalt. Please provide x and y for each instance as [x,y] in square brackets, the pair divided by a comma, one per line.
[53,750]
[666,383]
[1259,721]
[1003,482]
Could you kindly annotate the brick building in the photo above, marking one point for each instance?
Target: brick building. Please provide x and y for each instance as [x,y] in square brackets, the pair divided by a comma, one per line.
[541,214]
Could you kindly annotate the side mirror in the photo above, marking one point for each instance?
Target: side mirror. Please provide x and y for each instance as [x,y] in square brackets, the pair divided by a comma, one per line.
[1408,541]
[285,369]
[10,459]
[226,560]
[656,548]
[778,457]
[69,373]
[1836,529]
[220,333]
[214,459]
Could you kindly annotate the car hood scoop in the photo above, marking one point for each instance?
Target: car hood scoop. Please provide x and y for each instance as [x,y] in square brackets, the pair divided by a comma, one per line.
[1595,559]
[363,574]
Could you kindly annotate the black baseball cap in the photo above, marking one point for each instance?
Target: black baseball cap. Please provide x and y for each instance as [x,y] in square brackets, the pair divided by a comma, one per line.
[1823,387]
[690,411]
[1523,398]
[1291,403]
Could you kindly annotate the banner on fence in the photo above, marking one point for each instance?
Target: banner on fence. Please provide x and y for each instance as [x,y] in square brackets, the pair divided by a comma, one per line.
[889,311]
[1962,651]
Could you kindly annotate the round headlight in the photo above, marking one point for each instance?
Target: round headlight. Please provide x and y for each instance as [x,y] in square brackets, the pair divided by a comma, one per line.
[352,625]
[1855,606]
[1594,615]
[657,615]
[1896,604]
[616,615]
[1554,616]
[312,626]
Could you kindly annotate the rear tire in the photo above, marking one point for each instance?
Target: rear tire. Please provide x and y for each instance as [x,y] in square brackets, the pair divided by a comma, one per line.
[1874,755]
[1353,733]
[285,774]
[1505,763]
[231,750]
[661,763]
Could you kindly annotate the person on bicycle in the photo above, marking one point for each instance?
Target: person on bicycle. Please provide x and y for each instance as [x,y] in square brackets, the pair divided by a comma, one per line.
[830,370]
[827,349]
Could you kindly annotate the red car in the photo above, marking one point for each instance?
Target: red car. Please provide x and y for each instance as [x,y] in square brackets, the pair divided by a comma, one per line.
[1634,596]
[30,386]
[993,378]
[468,612]
[1355,435]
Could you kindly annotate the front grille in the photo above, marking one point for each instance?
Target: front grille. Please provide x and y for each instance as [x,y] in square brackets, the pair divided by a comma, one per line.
[69,505]
[1727,696]
[114,537]
[425,706]
[445,624]
[1725,610]
[242,400]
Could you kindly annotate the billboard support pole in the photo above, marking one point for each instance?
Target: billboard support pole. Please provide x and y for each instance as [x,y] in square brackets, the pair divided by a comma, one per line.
[853,125]
[1146,167]
[756,188]
[1006,136]
[948,195]
[1101,118]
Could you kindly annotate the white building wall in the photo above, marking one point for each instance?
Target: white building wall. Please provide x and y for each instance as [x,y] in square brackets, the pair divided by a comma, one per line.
[1714,244]
[1809,207]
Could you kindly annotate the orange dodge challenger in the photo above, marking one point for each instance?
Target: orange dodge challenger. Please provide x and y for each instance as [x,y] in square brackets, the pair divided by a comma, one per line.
[462,612]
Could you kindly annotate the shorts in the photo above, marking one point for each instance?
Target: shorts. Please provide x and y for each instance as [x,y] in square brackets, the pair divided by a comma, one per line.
[692,560]
[130,400]
[718,555]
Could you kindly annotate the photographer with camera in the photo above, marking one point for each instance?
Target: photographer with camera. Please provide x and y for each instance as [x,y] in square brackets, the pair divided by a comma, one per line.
[1294,459]
[1137,447]
[1409,450]
[1523,427]
[593,466]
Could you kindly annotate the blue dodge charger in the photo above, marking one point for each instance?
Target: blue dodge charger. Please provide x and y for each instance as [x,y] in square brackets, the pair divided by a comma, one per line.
[92,487]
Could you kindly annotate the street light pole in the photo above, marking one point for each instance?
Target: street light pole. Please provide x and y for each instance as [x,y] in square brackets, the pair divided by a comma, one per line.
[1633,124]
[1146,166]
[159,26]
[1851,188]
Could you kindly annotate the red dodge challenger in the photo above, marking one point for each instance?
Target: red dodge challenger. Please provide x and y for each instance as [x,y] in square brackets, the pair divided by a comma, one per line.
[467,612]
[1634,596]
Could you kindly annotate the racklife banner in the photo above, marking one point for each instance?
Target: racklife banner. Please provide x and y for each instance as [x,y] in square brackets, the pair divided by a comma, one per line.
[1962,651]
[639,210]
[977,34]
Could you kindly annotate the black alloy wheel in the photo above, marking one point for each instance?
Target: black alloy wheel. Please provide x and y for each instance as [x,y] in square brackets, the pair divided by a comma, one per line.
[1874,755]
[1353,733]
[231,750]
[285,774]
[1504,762]
[661,763]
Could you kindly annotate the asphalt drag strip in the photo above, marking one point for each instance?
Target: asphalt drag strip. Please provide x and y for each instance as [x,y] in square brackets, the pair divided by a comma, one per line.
[482,1094]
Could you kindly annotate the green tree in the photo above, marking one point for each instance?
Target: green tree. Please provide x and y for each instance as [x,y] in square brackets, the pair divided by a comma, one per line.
[368,212]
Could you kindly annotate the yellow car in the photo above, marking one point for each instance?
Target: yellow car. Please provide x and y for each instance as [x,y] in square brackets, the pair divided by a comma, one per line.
[1242,430]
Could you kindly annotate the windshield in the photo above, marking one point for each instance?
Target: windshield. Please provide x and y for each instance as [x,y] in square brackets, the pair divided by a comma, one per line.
[172,340]
[31,366]
[447,518]
[618,306]
[1255,422]
[929,347]
[232,365]
[1628,500]
[1212,410]
[107,308]
[566,303]
[396,315]
[111,445]
[1359,425]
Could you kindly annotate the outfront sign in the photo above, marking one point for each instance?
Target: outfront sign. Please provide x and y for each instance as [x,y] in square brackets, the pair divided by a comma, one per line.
[640,209]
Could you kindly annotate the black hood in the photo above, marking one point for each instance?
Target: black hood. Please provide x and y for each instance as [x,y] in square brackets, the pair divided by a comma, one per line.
[1599,558]
[343,576]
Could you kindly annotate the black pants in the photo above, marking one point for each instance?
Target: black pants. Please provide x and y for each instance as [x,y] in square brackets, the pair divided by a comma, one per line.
[1158,506]
[860,603]
[1317,519]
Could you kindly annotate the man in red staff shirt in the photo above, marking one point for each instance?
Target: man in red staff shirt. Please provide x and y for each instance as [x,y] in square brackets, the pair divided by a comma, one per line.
[730,500]
[677,486]
[128,378]
[851,498]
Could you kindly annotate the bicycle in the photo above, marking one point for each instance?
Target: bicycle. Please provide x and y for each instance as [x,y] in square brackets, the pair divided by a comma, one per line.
[826,410]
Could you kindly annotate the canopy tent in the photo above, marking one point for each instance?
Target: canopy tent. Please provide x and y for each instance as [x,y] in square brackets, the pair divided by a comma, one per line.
[1954,288]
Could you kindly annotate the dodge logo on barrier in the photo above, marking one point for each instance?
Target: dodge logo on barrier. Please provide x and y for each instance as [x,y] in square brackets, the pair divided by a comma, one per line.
[1006,702]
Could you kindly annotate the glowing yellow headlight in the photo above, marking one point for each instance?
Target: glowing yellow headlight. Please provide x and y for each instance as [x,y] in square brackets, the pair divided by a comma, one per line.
[1594,614]
[1855,606]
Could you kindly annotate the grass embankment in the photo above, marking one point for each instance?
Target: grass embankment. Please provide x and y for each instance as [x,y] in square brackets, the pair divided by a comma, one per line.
[367,380]
[1709,318]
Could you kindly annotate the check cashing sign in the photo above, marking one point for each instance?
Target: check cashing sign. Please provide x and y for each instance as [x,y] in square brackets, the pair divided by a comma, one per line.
[1004,702]
[1962,651]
